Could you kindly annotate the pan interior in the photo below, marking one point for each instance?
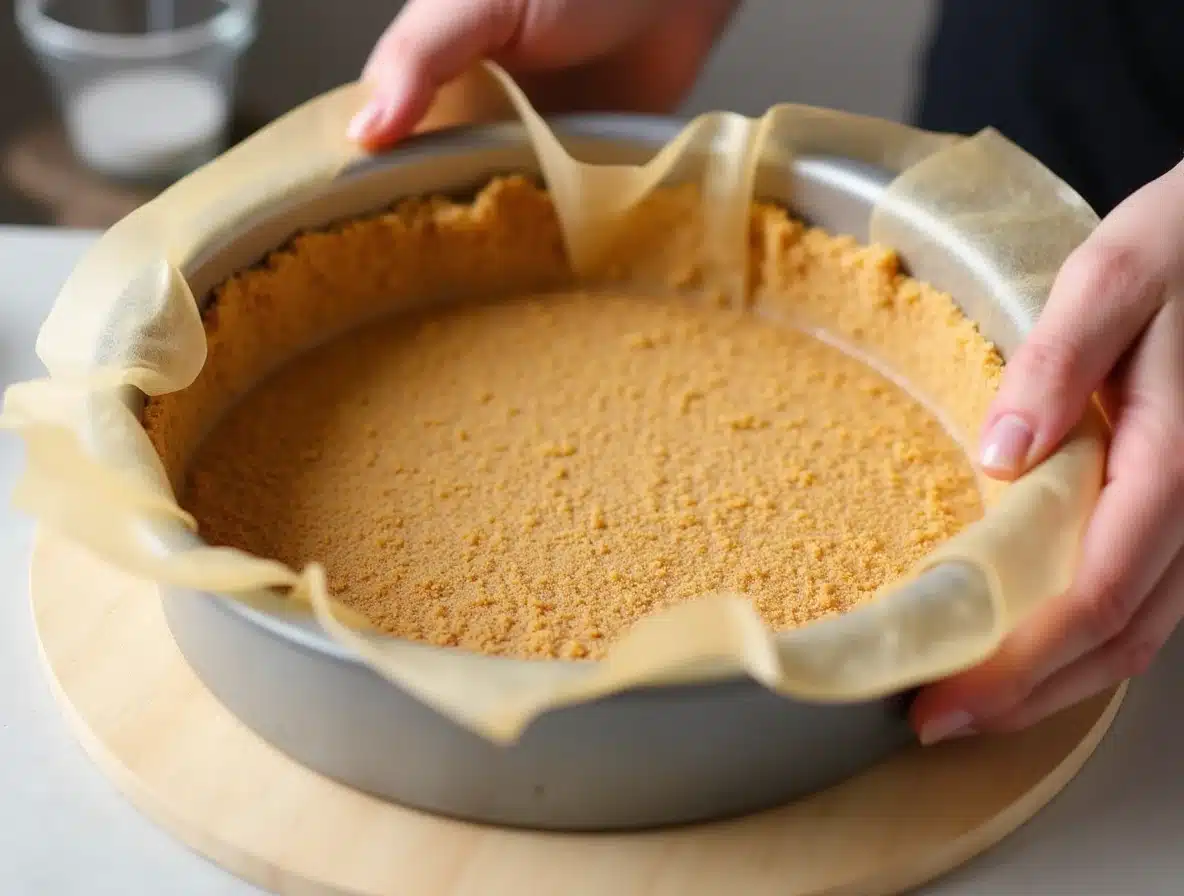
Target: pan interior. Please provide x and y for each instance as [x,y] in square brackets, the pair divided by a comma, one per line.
[507,264]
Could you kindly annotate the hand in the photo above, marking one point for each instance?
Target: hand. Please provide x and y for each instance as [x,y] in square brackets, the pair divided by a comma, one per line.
[1114,325]
[569,55]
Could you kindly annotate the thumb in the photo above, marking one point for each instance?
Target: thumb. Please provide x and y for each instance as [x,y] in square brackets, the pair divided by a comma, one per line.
[429,43]
[1102,299]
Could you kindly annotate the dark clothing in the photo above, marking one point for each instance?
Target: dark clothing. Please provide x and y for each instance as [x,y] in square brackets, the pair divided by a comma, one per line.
[1093,88]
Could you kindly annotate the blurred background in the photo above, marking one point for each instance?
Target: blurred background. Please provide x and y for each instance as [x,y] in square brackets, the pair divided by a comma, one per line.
[89,129]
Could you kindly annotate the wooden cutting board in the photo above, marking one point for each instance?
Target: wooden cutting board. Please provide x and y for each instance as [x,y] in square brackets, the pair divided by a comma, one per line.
[185,761]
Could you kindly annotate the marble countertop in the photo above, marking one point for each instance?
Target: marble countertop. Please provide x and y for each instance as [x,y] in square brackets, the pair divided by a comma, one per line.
[65,830]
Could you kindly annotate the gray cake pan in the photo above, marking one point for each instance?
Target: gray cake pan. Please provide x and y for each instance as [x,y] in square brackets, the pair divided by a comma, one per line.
[647,758]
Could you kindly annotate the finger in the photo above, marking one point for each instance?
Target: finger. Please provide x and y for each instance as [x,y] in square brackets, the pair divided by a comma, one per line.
[1136,531]
[1127,656]
[1117,572]
[429,43]
[1103,297]
[1137,528]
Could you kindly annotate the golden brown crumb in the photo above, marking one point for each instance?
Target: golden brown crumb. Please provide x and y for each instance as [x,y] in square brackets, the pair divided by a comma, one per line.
[529,476]
[435,537]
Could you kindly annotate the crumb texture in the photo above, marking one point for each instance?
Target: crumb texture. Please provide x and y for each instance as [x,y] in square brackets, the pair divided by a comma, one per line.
[529,475]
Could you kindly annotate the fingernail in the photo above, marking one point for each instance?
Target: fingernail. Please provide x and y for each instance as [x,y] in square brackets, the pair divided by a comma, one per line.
[948,727]
[366,121]
[1006,446]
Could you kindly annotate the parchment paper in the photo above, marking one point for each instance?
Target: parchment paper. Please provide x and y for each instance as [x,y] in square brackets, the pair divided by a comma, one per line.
[127,318]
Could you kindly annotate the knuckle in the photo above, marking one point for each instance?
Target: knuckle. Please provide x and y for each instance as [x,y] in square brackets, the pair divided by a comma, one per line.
[1153,447]
[1012,693]
[1014,682]
[1108,608]
[402,49]
[1132,658]
[390,51]
[1051,363]
[1109,272]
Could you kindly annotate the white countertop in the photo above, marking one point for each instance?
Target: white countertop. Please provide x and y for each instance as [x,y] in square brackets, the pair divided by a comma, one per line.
[64,830]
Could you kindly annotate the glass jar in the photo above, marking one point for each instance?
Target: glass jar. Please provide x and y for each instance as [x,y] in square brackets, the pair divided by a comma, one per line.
[145,87]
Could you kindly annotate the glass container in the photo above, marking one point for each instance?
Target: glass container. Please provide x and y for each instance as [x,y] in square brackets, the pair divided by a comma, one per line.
[145,87]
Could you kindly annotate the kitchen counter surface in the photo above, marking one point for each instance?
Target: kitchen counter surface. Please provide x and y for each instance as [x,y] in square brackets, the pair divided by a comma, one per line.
[65,830]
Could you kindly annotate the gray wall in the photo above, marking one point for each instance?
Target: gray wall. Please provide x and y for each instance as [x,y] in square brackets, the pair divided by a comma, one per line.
[857,55]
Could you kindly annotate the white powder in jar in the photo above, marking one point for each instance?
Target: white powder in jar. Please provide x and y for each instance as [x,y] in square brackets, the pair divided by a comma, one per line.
[148,123]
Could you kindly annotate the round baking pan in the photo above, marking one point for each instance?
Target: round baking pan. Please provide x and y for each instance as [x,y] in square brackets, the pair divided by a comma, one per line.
[646,758]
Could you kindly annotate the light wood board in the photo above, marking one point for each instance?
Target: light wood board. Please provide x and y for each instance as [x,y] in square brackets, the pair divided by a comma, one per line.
[185,761]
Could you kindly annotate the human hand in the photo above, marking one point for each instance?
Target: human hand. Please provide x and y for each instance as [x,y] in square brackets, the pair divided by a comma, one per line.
[1114,325]
[611,55]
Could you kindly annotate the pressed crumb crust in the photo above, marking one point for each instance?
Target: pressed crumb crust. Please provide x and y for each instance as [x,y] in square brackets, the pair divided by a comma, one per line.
[528,476]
